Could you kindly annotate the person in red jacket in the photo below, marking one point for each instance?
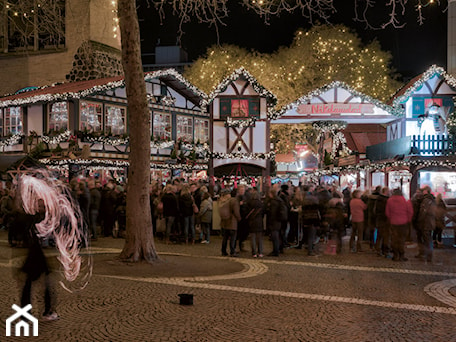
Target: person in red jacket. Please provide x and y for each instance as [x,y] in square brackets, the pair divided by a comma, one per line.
[357,207]
[399,212]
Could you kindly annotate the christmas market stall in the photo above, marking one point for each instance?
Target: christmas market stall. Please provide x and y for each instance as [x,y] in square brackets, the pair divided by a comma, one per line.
[341,122]
[82,127]
[421,144]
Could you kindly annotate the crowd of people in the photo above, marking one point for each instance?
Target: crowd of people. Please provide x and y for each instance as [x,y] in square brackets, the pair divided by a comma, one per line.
[291,216]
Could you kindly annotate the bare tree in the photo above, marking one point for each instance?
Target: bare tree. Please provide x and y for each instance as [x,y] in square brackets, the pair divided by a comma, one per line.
[31,24]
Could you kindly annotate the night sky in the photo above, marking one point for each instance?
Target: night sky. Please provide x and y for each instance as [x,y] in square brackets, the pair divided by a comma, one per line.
[414,48]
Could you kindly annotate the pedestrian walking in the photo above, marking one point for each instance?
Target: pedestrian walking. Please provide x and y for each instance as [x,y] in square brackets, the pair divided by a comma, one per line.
[35,264]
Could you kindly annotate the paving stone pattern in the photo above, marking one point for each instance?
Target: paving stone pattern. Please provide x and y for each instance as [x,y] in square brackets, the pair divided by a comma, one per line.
[349,297]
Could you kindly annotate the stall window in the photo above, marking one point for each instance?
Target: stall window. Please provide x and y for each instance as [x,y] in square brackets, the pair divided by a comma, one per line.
[90,116]
[58,116]
[162,126]
[13,120]
[201,130]
[184,129]
[115,119]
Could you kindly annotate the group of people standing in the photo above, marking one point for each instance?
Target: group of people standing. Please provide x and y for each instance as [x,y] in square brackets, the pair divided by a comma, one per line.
[387,220]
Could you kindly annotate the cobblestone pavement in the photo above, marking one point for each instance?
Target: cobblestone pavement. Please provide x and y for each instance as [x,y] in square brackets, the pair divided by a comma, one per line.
[350,297]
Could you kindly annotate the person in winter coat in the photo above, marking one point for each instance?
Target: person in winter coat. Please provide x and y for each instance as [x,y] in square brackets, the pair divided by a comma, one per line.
[255,222]
[230,223]
[186,211]
[35,264]
[371,221]
[417,198]
[426,221]
[205,216]
[441,211]
[170,209]
[357,208]
[383,227]
[273,220]
[294,218]
[311,219]
[335,215]
[399,212]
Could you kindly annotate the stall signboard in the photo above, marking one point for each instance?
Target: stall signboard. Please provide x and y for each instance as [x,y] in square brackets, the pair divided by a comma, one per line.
[349,160]
[335,108]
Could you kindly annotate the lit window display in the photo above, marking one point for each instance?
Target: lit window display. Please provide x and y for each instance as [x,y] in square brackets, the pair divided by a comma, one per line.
[161,126]
[90,116]
[13,120]
[58,116]
[400,180]
[115,119]
[378,178]
[440,182]
[201,130]
[184,129]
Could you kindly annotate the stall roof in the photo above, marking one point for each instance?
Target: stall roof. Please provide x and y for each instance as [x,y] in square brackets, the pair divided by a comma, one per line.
[80,89]
[335,101]
[417,82]
[238,74]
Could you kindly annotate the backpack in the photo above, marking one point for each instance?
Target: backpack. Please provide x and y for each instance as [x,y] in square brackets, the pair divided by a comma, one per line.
[225,209]
[282,213]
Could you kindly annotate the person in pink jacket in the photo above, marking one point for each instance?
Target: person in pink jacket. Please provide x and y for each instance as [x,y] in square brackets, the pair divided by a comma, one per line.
[399,212]
[357,207]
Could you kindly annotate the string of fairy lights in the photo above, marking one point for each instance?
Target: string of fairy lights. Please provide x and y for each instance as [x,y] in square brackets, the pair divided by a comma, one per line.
[239,123]
[236,75]
[12,140]
[382,166]
[333,127]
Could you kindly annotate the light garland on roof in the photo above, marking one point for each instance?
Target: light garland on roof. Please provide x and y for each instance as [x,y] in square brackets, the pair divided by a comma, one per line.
[175,74]
[107,164]
[13,140]
[243,156]
[422,163]
[306,99]
[240,122]
[426,76]
[65,136]
[97,89]
[235,76]
[168,101]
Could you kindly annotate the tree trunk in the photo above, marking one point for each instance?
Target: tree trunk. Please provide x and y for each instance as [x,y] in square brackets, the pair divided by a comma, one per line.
[139,242]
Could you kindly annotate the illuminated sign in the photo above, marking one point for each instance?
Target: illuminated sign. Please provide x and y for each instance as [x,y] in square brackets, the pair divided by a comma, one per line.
[335,108]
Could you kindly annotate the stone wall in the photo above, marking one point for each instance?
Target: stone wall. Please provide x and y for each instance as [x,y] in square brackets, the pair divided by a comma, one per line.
[93,60]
